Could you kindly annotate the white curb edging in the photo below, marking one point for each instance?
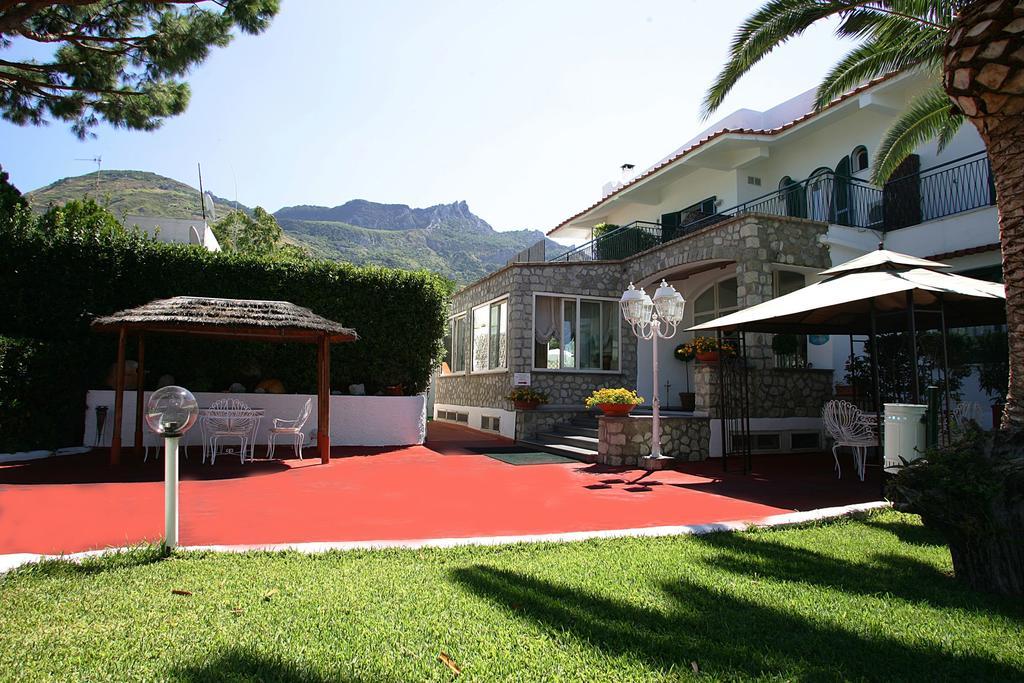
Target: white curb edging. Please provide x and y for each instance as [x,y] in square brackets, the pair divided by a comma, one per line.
[12,561]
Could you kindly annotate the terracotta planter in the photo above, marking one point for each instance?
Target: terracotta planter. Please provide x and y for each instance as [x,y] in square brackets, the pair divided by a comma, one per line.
[708,357]
[394,390]
[526,405]
[688,401]
[616,409]
[844,390]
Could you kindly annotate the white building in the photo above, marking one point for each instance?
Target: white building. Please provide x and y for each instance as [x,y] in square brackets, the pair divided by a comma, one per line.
[175,230]
[756,205]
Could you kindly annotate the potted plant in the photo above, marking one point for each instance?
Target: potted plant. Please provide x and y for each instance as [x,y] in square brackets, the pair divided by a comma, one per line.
[525,398]
[394,390]
[614,402]
[709,350]
[684,353]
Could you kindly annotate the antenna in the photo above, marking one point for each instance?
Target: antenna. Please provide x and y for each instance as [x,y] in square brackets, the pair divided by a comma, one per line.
[202,197]
[98,160]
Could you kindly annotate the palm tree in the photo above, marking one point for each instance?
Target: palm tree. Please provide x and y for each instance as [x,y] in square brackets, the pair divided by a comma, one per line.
[974,49]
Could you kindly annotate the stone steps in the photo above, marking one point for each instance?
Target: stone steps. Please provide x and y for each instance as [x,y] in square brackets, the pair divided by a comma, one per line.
[569,451]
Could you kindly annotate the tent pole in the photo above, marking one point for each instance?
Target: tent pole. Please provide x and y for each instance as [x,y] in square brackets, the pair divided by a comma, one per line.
[945,362]
[323,401]
[912,328]
[878,393]
[140,395]
[721,407]
[115,440]
[851,361]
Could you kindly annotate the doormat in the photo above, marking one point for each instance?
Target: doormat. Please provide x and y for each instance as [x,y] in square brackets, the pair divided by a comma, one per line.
[524,457]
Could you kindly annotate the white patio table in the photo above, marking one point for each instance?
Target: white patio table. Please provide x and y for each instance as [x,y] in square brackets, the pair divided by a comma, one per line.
[207,414]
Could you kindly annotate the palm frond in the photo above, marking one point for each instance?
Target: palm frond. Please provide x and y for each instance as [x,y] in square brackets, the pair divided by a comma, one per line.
[779,20]
[929,115]
[879,55]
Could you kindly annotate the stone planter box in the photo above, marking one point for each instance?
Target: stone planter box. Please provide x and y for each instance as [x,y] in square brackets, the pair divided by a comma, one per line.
[626,441]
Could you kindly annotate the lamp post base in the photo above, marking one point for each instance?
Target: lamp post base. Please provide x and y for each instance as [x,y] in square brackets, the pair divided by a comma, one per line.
[653,463]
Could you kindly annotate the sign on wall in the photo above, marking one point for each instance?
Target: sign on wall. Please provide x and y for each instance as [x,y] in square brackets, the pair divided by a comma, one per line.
[520,379]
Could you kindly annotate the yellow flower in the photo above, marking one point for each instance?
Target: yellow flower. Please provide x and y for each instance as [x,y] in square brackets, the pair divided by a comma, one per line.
[619,396]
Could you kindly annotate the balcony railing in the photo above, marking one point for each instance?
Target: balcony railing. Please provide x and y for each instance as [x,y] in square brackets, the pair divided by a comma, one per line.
[951,188]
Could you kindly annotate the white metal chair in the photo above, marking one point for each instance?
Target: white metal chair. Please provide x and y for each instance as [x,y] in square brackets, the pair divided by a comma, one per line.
[958,419]
[229,418]
[291,428]
[849,426]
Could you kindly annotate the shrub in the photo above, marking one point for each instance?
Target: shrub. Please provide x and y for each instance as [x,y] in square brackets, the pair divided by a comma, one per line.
[684,352]
[710,345]
[972,492]
[527,395]
[73,265]
[620,396]
[41,400]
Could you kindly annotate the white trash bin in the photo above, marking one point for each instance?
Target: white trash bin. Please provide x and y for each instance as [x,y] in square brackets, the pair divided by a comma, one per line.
[904,434]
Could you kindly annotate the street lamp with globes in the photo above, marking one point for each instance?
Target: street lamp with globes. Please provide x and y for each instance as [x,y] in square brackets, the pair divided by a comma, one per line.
[171,412]
[651,319]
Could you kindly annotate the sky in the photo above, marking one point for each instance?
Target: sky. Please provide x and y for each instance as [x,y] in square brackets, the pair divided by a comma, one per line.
[524,110]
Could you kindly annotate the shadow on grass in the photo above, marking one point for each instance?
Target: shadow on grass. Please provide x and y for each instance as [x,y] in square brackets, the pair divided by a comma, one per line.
[897,575]
[241,665]
[911,534]
[727,635]
[130,558]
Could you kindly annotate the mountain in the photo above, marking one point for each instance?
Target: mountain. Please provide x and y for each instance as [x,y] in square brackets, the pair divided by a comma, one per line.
[447,238]
[129,192]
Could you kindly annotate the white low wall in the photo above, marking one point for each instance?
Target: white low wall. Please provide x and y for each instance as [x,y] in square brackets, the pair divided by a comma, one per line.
[355,420]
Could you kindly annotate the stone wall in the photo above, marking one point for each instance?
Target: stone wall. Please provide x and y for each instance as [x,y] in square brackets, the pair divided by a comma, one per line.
[520,282]
[774,392]
[529,423]
[623,441]
[756,243]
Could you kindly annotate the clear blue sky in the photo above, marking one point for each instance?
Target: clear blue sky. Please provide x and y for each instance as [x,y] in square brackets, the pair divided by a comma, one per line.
[522,109]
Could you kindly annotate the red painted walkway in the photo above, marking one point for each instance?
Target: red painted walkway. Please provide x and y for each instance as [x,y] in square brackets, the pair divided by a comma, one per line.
[440,490]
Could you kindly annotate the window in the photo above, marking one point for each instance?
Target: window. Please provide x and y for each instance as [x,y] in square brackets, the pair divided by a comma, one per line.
[575,333]
[716,301]
[455,346]
[490,323]
[859,159]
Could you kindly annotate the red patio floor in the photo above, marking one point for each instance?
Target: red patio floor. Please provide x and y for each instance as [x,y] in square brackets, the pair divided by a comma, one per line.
[440,490]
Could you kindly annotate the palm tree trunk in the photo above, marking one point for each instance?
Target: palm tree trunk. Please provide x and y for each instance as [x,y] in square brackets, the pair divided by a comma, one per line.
[984,76]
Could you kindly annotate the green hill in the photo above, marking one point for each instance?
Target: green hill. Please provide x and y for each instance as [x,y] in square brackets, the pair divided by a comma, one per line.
[447,238]
[129,192]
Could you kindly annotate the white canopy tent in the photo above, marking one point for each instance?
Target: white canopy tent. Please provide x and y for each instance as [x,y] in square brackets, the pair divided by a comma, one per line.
[880,292]
[873,287]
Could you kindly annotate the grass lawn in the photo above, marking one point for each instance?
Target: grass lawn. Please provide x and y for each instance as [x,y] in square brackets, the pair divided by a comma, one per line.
[855,599]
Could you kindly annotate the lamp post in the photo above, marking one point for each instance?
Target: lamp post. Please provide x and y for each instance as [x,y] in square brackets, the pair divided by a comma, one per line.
[651,319]
[171,412]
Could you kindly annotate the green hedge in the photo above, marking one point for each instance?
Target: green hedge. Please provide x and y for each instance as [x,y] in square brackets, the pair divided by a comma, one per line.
[54,282]
[41,398]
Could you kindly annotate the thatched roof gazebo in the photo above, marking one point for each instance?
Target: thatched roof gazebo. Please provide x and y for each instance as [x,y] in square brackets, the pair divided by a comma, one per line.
[244,319]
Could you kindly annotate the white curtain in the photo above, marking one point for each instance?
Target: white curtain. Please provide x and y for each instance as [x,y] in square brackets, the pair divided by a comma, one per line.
[546,319]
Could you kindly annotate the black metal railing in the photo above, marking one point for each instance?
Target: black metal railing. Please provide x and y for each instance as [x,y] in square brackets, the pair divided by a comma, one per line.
[944,190]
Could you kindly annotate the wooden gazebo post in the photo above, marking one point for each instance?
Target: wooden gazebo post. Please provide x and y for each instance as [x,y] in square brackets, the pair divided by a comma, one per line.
[323,399]
[140,394]
[115,439]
